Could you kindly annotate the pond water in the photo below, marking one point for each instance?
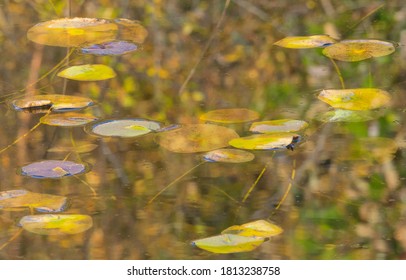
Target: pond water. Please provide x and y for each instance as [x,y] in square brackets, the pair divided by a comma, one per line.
[337,194]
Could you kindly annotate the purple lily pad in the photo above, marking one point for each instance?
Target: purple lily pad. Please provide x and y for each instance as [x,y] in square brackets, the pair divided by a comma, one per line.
[52,169]
[110,48]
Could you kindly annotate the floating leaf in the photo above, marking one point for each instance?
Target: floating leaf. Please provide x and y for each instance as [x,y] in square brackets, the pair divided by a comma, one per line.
[122,127]
[69,119]
[355,99]
[259,228]
[357,50]
[51,224]
[274,141]
[110,48]
[52,169]
[228,155]
[88,72]
[131,30]
[38,201]
[305,42]
[340,115]
[229,243]
[232,115]
[73,32]
[55,102]
[283,125]
[196,138]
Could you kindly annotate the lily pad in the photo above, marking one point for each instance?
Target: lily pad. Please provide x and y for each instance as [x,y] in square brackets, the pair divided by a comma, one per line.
[282,125]
[231,115]
[274,141]
[340,115]
[357,50]
[229,243]
[69,119]
[131,30]
[73,32]
[196,138]
[228,155]
[259,228]
[55,102]
[305,42]
[125,128]
[24,199]
[88,72]
[51,224]
[110,48]
[52,169]
[355,99]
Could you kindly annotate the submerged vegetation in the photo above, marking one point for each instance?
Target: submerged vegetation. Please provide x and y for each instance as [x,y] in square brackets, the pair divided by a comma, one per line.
[202,127]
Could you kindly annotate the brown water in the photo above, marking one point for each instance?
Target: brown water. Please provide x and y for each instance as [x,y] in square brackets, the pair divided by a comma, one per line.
[342,204]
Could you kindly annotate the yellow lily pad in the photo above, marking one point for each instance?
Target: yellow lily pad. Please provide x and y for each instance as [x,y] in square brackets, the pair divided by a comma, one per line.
[282,125]
[305,42]
[69,119]
[88,72]
[231,115]
[229,243]
[259,228]
[228,155]
[357,50]
[355,99]
[273,141]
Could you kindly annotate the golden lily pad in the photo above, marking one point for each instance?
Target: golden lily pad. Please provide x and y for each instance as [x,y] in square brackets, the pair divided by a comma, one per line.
[124,128]
[228,155]
[357,50]
[282,125]
[52,169]
[55,102]
[231,115]
[305,42]
[88,72]
[73,32]
[340,115]
[51,224]
[273,141]
[24,199]
[69,119]
[229,243]
[355,99]
[196,138]
[259,228]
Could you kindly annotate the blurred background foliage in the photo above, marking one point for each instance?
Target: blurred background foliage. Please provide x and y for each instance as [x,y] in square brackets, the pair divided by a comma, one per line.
[339,207]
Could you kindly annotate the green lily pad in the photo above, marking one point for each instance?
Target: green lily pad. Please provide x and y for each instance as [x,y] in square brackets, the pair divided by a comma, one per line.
[229,243]
[231,115]
[340,115]
[73,32]
[357,50]
[355,99]
[196,138]
[124,128]
[51,224]
[88,72]
[228,155]
[259,228]
[273,141]
[282,125]
[24,199]
[305,42]
[69,119]
[52,169]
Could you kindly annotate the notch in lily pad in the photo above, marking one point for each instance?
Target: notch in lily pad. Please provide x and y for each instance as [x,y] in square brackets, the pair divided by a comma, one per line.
[273,141]
[305,42]
[53,169]
[88,72]
[230,115]
[52,224]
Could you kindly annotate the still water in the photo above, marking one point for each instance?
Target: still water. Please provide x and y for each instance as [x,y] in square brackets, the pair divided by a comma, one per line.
[346,196]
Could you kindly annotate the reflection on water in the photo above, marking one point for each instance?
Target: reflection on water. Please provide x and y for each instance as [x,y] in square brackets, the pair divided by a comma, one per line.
[347,197]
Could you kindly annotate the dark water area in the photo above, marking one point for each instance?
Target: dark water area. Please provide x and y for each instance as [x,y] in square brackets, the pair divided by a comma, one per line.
[347,196]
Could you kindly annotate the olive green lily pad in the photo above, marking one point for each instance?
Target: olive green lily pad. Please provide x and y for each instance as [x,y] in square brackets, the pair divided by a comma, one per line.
[73,32]
[273,141]
[196,138]
[341,115]
[229,243]
[124,128]
[259,228]
[357,50]
[228,155]
[230,115]
[52,224]
[305,42]
[69,119]
[88,72]
[52,169]
[282,125]
[13,199]
[355,99]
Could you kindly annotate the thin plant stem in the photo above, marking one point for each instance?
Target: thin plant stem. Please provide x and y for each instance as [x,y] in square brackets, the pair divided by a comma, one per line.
[340,76]
[247,194]
[292,178]
[87,184]
[12,238]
